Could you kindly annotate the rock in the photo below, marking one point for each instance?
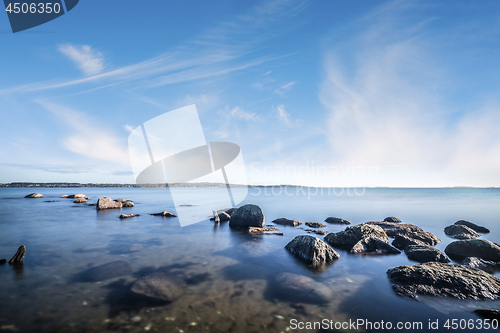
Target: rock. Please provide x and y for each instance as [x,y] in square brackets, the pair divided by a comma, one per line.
[460,232]
[285,221]
[485,265]
[311,249]
[315,225]
[248,216]
[488,314]
[164,213]
[228,211]
[351,235]
[159,286]
[128,203]
[480,248]
[302,289]
[93,204]
[34,195]
[412,231]
[19,256]
[107,271]
[425,253]
[107,203]
[401,242]
[336,220]
[63,196]
[473,226]
[76,196]
[440,279]
[374,245]
[392,219]
[3,261]
[80,200]
[319,232]
[51,201]
[223,217]
[120,200]
[124,216]
[264,231]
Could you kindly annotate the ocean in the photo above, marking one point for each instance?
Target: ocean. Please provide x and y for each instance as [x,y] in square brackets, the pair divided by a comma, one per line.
[229,274]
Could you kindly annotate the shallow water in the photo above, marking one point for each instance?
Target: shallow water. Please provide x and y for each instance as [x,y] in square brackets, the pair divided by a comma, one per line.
[229,274]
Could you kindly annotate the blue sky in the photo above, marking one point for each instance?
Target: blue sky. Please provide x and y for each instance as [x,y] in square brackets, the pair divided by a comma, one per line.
[324,93]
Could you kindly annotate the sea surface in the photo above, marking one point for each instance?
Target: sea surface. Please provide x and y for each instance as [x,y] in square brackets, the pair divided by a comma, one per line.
[229,274]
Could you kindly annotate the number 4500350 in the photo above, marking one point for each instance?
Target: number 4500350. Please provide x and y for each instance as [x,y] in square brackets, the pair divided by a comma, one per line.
[41,8]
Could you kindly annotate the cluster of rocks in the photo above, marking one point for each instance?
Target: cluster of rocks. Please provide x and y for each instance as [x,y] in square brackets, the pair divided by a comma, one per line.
[465,230]
[108,203]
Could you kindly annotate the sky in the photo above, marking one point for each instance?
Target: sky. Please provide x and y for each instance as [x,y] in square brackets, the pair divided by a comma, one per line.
[319,93]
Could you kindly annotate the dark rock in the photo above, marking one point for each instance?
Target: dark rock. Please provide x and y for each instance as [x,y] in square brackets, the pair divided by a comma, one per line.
[480,248]
[315,225]
[248,216]
[76,196]
[19,256]
[51,201]
[316,231]
[440,279]
[336,220]
[107,203]
[302,289]
[93,204]
[228,211]
[125,216]
[460,232]
[80,200]
[374,246]
[311,249]
[412,231]
[128,203]
[107,271]
[34,195]
[485,265]
[223,217]
[401,242]
[164,213]
[120,200]
[264,231]
[3,261]
[392,219]
[473,226]
[425,253]
[285,221]
[351,235]
[159,286]
[488,314]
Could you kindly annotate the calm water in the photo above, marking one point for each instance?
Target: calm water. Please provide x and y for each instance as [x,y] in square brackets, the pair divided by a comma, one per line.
[229,273]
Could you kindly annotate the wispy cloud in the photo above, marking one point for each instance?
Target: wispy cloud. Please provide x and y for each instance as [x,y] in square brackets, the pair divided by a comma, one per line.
[283,116]
[284,88]
[239,113]
[89,61]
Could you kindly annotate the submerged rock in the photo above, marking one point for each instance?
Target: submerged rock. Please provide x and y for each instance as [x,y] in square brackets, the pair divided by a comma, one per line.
[164,213]
[107,271]
[315,225]
[311,249]
[124,216]
[460,232]
[80,200]
[392,219]
[248,216]
[285,221]
[3,261]
[473,226]
[425,253]
[34,196]
[412,231]
[485,265]
[300,288]
[488,314]
[107,203]
[351,235]
[440,279]
[480,248]
[19,256]
[336,220]
[374,246]
[401,242]
[264,231]
[159,286]
[223,217]
[128,203]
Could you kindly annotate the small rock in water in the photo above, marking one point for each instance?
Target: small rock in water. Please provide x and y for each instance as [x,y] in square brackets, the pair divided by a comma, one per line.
[164,213]
[128,203]
[76,196]
[299,288]
[479,248]
[107,203]
[107,271]
[351,235]
[264,231]
[311,249]
[51,201]
[285,221]
[315,225]
[159,286]
[460,232]
[393,229]
[63,196]
[34,195]
[124,216]
[392,219]
[248,216]
[336,220]
[473,226]
[19,256]
[80,200]
[425,253]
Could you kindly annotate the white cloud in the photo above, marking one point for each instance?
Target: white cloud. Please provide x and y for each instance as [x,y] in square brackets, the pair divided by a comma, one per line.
[284,88]
[129,128]
[89,61]
[283,116]
[239,113]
